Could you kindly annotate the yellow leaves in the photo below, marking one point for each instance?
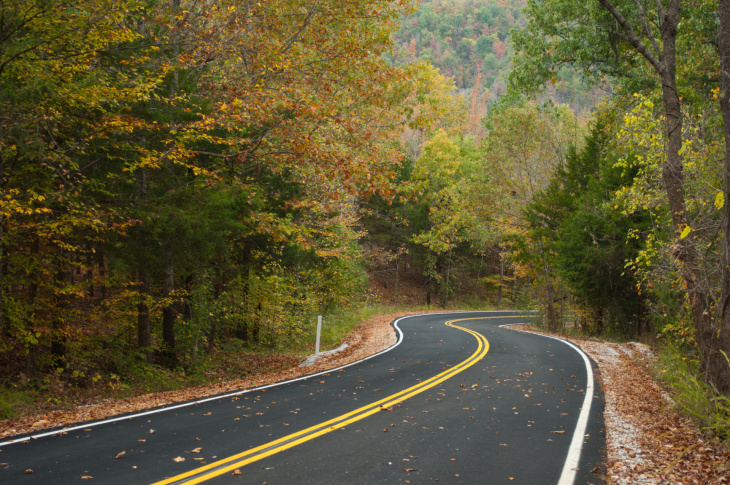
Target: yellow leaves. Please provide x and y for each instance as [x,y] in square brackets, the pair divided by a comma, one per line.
[685,232]
[719,200]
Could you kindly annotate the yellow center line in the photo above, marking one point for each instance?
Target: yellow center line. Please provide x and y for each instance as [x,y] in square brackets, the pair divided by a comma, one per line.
[229,464]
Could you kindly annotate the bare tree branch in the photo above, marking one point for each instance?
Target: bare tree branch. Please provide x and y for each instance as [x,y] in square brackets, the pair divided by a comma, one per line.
[632,38]
[647,31]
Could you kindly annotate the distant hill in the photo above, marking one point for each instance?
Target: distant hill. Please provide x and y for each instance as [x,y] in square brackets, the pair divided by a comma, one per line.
[464,37]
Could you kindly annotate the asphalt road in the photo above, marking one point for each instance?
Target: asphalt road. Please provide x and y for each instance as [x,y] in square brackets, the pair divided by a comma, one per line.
[460,402]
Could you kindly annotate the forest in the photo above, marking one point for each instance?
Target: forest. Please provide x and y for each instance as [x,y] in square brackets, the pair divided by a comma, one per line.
[187,184]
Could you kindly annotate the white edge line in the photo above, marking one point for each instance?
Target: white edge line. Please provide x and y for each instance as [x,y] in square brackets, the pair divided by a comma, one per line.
[221,396]
[567,477]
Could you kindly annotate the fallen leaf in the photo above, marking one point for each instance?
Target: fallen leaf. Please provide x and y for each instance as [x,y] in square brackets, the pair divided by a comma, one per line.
[558,432]
[29,471]
[410,469]
[196,450]
[236,472]
[142,441]
[596,470]
[86,477]
[119,455]
[179,459]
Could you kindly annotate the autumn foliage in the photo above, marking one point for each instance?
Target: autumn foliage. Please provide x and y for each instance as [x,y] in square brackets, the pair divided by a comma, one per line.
[176,172]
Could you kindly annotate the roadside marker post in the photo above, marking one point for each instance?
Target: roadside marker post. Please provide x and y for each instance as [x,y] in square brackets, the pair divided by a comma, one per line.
[319,332]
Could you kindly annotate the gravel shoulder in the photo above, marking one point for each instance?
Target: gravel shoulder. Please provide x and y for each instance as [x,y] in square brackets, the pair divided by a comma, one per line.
[647,441]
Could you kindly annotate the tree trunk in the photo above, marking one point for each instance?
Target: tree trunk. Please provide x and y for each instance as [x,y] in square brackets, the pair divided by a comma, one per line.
[89,274]
[213,332]
[717,363]
[501,281]
[101,294]
[552,319]
[144,327]
[683,249]
[64,277]
[168,312]
[2,271]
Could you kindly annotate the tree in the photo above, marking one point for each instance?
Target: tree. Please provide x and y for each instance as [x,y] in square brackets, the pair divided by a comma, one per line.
[612,39]
[717,363]
[588,237]
[171,143]
[440,179]
[60,105]
[525,144]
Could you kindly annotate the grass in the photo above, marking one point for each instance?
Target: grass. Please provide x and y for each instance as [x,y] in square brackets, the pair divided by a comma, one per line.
[337,326]
[13,402]
[679,372]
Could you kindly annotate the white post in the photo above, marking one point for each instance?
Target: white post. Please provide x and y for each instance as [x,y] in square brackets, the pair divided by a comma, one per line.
[319,332]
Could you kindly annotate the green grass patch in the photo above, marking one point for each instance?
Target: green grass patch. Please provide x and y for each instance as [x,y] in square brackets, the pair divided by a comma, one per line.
[337,326]
[15,402]
[679,372]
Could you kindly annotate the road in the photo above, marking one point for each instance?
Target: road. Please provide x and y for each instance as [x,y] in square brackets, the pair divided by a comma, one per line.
[460,399]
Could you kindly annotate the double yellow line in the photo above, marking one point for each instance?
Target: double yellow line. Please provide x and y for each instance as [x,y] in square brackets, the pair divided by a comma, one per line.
[229,464]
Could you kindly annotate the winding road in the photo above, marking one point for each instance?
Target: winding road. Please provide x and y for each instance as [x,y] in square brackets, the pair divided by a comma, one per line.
[459,399]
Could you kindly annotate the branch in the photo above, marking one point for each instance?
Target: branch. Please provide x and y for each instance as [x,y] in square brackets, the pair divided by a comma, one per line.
[659,9]
[632,38]
[642,16]
[211,154]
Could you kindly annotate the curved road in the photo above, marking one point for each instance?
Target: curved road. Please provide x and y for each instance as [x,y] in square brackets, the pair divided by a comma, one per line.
[460,399]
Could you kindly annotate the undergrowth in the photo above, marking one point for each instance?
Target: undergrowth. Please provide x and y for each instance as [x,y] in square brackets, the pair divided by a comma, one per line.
[678,370]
